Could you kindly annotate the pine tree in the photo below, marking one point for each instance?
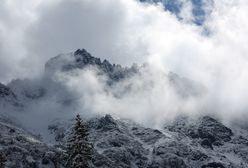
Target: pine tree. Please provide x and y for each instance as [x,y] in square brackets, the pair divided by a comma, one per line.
[79,149]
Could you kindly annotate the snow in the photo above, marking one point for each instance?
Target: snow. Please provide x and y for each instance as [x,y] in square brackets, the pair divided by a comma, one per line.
[43,120]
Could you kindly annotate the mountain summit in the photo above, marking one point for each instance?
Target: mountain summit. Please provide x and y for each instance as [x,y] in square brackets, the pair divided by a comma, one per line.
[81,59]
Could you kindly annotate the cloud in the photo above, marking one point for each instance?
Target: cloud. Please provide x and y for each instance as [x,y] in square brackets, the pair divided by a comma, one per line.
[148,98]
[126,31]
[39,30]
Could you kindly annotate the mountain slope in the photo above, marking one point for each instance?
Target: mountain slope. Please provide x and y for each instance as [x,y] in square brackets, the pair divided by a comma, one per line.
[185,142]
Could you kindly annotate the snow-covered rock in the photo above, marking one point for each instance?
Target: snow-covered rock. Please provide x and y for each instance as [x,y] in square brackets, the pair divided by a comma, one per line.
[22,149]
[204,142]
[120,143]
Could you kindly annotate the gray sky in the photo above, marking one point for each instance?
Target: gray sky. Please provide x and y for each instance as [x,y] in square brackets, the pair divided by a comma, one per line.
[125,31]
[33,31]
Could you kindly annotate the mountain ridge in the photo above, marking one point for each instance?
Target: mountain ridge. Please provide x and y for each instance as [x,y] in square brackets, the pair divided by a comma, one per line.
[186,142]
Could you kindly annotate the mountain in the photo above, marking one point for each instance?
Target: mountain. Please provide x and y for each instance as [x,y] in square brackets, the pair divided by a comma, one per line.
[184,142]
[121,143]
[202,143]
[23,149]
[81,59]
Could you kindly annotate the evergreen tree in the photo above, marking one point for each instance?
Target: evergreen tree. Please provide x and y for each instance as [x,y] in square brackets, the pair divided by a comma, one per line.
[79,149]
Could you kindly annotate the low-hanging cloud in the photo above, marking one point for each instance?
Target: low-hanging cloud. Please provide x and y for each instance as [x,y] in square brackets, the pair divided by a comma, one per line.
[149,97]
[127,31]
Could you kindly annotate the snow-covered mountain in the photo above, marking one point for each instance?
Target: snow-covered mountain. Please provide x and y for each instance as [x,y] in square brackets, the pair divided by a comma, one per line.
[36,115]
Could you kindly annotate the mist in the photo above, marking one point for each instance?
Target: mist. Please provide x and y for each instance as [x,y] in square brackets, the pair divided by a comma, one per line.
[124,32]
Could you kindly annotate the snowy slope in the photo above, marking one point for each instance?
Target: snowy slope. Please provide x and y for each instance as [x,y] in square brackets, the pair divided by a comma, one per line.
[36,115]
[183,143]
[22,149]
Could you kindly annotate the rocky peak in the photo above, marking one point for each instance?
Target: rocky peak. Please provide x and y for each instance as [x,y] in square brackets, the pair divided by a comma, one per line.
[107,67]
[81,59]
[82,52]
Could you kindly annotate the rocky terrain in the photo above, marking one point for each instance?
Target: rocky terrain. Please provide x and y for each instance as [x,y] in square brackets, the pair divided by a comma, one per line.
[185,142]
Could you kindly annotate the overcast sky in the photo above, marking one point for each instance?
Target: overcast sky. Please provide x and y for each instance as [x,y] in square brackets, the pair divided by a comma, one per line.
[126,31]
[32,31]
[123,31]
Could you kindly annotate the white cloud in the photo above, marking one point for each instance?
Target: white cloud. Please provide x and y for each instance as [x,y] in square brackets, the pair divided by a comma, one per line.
[125,31]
